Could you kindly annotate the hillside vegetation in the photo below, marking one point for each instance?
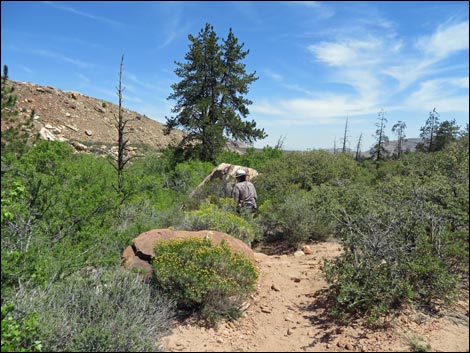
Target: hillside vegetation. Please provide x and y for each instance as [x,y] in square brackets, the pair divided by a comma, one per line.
[402,224]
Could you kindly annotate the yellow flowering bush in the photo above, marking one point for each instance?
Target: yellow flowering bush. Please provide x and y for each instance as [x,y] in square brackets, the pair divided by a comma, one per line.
[209,280]
[216,217]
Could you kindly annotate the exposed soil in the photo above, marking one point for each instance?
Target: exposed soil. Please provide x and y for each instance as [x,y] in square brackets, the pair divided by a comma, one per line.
[288,313]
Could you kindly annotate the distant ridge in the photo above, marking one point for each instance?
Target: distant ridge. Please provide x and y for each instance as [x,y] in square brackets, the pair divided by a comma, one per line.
[408,145]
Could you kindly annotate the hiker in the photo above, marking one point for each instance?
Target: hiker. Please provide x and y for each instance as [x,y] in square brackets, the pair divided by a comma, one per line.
[244,193]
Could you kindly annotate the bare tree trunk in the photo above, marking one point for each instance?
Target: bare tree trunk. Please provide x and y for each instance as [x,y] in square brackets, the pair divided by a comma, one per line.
[123,141]
[121,123]
[358,148]
[345,135]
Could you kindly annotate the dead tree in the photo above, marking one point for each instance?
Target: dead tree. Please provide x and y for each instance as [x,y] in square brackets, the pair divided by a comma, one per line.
[123,142]
[345,136]
[358,148]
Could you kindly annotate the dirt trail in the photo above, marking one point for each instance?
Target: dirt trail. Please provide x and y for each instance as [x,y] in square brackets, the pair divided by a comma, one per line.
[286,314]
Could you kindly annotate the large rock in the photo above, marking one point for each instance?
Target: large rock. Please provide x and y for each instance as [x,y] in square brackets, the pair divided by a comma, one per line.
[139,255]
[226,173]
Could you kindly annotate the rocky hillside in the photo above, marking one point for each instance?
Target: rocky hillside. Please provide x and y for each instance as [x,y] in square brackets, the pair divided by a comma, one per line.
[86,123]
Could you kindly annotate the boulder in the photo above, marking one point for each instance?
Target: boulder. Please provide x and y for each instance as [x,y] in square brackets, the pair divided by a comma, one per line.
[226,173]
[139,255]
[46,134]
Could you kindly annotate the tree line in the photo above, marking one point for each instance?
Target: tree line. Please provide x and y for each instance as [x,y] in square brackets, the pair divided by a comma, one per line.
[435,135]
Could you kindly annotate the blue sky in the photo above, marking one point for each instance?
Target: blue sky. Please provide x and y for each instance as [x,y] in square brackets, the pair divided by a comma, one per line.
[318,63]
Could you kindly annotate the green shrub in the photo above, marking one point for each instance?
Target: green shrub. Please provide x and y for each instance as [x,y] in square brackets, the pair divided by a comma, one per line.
[187,175]
[163,182]
[210,217]
[401,249]
[405,236]
[209,192]
[62,204]
[298,218]
[252,158]
[304,170]
[19,334]
[417,344]
[209,280]
[99,311]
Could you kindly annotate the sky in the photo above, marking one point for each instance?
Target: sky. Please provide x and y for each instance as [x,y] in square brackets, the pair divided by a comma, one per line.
[319,64]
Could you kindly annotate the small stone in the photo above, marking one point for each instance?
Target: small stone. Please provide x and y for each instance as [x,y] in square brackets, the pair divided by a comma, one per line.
[299,253]
[288,318]
[266,310]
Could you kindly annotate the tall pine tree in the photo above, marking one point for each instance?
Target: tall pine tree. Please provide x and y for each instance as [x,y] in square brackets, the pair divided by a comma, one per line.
[378,151]
[428,133]
[210,103]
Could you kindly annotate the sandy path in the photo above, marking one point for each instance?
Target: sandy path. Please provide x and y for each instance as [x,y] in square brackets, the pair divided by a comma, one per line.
[286,314]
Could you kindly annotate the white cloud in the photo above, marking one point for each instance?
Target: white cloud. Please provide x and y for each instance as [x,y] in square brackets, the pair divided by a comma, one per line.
[272,75]
[298,88]
[83,78]
[267,109]
[133,78]
[106,92]
[445,94]
[433,48]
[174,27]
[348,53]
[321,10]
[81,13]
[409,72]
[446,40]
[333,54]
[363,64]
[366,83]
[331,109]
[25,69]
[311,4]
[356,63]
[132,99]
[328,107]
[58,56]
[462,82]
